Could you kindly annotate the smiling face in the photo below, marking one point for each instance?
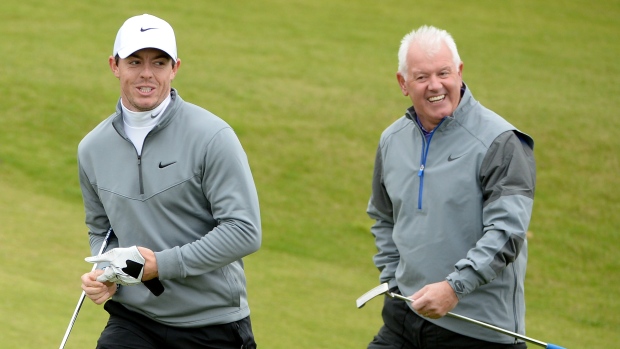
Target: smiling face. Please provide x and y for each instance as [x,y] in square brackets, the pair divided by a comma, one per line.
[145,77]
[433,83]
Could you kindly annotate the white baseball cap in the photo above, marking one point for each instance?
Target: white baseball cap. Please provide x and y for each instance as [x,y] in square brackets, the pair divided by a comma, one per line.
[145,31]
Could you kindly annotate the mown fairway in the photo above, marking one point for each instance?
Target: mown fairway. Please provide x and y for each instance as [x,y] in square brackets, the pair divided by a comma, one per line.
[309,85]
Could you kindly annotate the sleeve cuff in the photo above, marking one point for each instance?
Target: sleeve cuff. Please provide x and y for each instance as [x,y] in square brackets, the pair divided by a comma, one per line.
[169,264]
[463,282]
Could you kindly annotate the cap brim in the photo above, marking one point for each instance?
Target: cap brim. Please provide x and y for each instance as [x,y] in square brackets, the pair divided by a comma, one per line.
[128,51]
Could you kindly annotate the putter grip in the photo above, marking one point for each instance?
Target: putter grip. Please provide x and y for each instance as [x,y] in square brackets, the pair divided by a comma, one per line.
[155,286]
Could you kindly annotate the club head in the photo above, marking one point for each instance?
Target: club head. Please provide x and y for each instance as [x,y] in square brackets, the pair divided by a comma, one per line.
[379,290]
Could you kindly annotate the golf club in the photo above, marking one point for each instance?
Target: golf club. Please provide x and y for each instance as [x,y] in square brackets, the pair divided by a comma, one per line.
[154,285]
[81,300]
[384,289]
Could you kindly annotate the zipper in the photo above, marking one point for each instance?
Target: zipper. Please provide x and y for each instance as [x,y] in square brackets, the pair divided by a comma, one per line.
[140,174]
[514,297]
[140,182]
[425,148]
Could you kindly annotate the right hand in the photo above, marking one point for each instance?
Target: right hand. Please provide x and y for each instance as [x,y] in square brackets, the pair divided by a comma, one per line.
[98,292]
[126,265]
[434,300]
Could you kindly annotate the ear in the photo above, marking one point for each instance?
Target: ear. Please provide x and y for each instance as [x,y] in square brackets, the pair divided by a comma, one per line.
[114,66]
[175,69]
[402,84]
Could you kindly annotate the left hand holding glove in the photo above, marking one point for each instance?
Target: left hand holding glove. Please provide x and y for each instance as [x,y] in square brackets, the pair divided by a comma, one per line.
[126,266]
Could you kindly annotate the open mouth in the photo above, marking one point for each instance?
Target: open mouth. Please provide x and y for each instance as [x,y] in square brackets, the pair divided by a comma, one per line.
[436,99]
[145,89]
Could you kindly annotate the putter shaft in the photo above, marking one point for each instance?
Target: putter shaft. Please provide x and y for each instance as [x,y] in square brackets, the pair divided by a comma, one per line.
[483,324]
[83,296]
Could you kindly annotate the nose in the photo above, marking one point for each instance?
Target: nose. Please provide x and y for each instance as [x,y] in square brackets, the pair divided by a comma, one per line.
[434,83]
[146,71]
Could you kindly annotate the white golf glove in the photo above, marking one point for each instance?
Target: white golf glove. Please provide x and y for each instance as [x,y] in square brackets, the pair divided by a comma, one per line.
[126,266]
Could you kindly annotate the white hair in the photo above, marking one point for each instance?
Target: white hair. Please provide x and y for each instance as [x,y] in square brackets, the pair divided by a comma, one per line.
[429,39]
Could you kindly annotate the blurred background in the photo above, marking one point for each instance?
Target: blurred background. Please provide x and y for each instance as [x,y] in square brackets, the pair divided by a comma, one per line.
[309,86]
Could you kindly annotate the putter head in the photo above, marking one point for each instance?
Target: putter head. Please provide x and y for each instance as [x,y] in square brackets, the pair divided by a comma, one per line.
[379,290]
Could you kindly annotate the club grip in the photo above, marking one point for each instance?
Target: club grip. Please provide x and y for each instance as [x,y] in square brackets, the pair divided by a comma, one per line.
[553,346]
[155,286]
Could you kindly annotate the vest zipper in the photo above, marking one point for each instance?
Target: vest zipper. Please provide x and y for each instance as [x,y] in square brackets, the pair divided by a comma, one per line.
[425,146]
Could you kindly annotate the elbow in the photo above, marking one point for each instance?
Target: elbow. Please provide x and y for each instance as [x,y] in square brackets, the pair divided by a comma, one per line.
[253,239]
[255,242]
[242,237]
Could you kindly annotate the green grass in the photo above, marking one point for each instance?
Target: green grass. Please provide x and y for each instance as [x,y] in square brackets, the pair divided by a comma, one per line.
[309,86]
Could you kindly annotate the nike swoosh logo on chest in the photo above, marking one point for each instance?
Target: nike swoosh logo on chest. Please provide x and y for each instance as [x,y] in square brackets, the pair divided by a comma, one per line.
[166,165]
[452,158]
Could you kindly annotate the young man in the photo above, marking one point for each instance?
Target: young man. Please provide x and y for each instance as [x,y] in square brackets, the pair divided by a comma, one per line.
[452,197]
[173,182]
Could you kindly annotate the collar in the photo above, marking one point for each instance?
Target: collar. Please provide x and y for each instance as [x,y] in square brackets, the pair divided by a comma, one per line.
[466,102]
[144,118]
[163,119]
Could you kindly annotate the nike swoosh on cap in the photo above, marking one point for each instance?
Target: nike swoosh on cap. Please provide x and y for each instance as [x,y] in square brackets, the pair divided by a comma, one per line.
[143,30]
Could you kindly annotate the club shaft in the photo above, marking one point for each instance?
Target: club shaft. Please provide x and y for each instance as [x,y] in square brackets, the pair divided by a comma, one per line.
[73,318]
[83,295]
[480,323]
[498,329]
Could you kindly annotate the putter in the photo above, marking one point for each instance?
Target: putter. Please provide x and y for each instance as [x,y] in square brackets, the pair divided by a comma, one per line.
[384,289]
[81,300]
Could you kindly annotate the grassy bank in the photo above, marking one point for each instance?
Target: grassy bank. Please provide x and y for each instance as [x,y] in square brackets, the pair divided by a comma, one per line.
[309,86]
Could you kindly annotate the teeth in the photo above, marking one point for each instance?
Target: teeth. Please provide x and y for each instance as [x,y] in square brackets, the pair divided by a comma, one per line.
[436,98]
[145,89]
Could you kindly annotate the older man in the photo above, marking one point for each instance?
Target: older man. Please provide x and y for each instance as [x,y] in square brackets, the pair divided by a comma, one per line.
[452,196]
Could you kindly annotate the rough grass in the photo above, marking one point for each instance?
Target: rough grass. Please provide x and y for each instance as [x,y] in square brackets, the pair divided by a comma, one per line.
[309,86]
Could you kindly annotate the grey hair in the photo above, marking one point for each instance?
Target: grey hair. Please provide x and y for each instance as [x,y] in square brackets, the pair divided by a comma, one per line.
[429,38]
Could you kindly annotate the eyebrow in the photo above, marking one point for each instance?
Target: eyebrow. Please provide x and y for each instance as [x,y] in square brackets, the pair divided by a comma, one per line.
[444,67]
[415,71]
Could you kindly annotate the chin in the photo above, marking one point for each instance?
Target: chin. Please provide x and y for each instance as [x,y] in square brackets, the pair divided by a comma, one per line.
[443,113]
[147,105]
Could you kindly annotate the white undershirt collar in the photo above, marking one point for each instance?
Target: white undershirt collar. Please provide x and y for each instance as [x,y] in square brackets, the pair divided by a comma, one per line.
[138,124]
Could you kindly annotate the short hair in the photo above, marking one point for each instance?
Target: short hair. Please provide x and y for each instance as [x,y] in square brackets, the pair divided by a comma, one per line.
[429,38]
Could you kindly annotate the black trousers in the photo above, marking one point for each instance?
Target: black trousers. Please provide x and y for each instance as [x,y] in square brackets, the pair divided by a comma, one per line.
[404,329]
[127,329]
